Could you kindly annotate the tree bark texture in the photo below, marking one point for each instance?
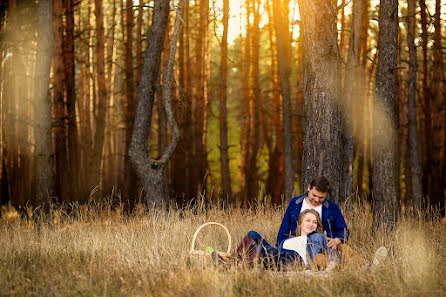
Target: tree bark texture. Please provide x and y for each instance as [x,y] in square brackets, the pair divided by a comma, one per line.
[283,58]
[322,140]
[414,154]
[384,125]
[44,176]
[150,172]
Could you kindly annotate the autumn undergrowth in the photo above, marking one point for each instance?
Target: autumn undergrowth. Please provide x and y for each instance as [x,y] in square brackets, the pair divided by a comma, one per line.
[99,252]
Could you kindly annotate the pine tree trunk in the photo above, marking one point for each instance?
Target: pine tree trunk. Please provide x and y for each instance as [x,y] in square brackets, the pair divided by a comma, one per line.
[224,149]
[72,146]
[4,191]
[84,110]
[438,189]
[102,97]
[415,164]
[183,162]
[44,177]
[283,58]
[130,189]
[274,184]
[255,102]
[179,173]
[246,133]
[427,146]
[384,124]
[139,57]
[201,98]
[60,140]
[322,142]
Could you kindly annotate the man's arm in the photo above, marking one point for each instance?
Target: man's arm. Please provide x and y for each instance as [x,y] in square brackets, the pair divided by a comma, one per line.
[284,231]
[341,231]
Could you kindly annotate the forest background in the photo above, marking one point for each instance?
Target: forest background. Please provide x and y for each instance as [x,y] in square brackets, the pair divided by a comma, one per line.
[266,95]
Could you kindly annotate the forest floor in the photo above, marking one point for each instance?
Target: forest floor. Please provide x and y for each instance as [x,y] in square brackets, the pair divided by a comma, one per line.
[100,253]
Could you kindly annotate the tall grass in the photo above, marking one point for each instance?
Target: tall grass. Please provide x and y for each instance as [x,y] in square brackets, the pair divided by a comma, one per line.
[100,253]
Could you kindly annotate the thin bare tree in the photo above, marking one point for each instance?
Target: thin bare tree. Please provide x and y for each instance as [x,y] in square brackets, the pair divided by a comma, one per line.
[150,171]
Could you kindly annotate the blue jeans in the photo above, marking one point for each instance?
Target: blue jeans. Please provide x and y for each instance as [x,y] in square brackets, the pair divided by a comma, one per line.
[316,243]
[272,255]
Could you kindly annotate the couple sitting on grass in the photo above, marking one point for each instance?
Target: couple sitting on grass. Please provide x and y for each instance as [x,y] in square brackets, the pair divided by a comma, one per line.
[301,237]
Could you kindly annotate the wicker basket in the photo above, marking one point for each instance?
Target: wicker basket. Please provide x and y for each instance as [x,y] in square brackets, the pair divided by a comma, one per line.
[193,251]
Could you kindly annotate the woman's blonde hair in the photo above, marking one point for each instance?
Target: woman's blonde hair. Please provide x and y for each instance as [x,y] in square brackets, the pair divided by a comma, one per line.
[300,219]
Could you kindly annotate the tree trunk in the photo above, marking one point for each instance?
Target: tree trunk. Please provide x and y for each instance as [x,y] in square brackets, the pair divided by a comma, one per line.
[427,146]
[438,189]
[283,58]
[415,164]
[200,92]
[274,183]
[84,108]
[150,172]
[255,103]
[102,98]
[322,142]
[4,191]
[44,177]
[72,146]
[139,57]
[246,133]
[130,188]
[183,162]
[350,81]
[343,30]
[224,149]
[59,107]
[384,133]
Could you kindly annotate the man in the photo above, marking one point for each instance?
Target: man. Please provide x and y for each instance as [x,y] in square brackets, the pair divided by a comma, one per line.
[331,216]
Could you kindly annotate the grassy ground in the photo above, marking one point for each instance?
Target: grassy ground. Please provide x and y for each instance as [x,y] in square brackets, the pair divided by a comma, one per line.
[101,254]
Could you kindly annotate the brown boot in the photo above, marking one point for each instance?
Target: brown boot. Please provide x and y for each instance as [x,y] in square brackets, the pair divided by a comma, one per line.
[246,251]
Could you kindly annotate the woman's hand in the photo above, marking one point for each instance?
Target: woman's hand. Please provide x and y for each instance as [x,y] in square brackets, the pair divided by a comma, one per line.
[333,242]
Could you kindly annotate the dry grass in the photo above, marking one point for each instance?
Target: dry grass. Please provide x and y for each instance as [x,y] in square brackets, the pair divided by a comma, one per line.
[101,254]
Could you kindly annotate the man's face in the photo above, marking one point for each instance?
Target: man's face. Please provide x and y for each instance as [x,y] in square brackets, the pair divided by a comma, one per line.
[315,197]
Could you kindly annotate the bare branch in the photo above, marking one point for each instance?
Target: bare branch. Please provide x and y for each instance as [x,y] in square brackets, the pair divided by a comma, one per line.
[167,90]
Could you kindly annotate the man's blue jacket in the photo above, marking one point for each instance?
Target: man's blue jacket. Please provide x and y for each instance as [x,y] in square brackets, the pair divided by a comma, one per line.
[332,220]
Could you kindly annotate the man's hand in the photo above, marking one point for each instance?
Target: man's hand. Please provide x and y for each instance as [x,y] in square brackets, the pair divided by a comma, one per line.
[333,242]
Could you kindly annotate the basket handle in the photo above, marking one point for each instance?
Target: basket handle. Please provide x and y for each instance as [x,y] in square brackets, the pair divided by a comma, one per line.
[192,247]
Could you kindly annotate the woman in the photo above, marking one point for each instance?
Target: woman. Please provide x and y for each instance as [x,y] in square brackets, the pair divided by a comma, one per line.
[308,248]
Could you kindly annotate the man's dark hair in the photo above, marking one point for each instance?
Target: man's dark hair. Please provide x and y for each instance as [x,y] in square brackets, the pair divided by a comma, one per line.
[321,183]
